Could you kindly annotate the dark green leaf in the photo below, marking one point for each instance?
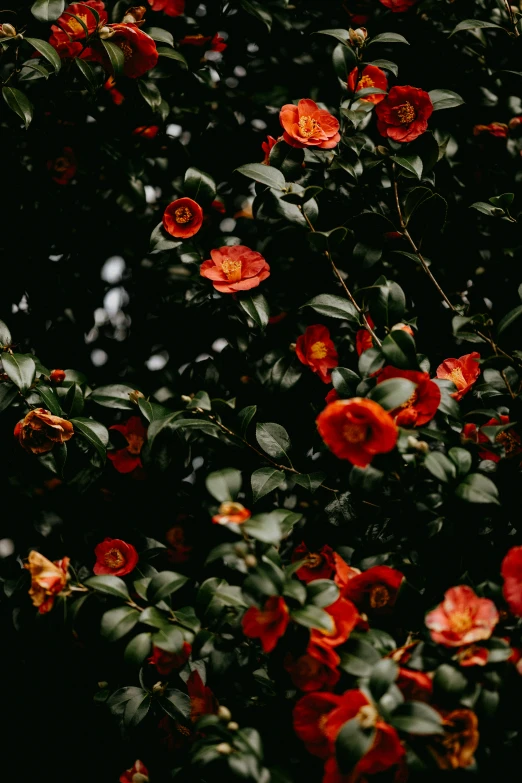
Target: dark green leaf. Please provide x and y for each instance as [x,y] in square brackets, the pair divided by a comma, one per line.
[161,240]
[256,307]
[116,58]
[176,703]
[474,24]
[224,484]
[461,458]
[387,38]
[334,306]
[345,381]
[88,72]
[172,54]
[440,466]
[245,416]
[19,103]
[117,622]
[445,99]
[322,592]
[266,175]
[340,34]
[509,319]
[273,439]
[8,392]
[399,349]
[136,709]
[20,368]
[110,585]
[477,488]
[200,400]
[265,480]
[263,527]
[313,617]
[47,51]
[164,584]
[256,10]
[114,396]
[149,92]
[138,649]
[411,163]
[47,10]
[199,186]
[160,35]
[310,481]
[5,335]
[392,393]
[169,639]
[383,675]
[351,744]
[95,433]
[449,680]
[415,717]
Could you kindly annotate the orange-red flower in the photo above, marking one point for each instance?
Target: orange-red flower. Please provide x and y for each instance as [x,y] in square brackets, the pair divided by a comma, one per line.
[167,662]
[267,624]
[422,406]
[114,556]
[146,131]
[509,439]
[370,77]
[374,591]
[138,772]
[456,747]
[266,146]
[202,700]
[63,168]
[332,396]
[462,618]
[183,218]
[309,718]
[217,43]
[473,656]
[235,268]
[195,40]
[315,349]
[231,514]
[316,669]
[68,33]
[57,376]
[403,114]
[398,6]
[48,579]
[345,617]
[357,430]
[116,96]
[39,431]
[512,575]
[497,129]
[306,125]
[169,7]
[139,50]
[317,565]
[127,459]
[414,686]
[363,338]
[463,371]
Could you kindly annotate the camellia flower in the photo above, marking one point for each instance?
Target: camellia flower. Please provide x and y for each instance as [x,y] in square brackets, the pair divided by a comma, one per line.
[167,662]
[423,403]
[306,125]
[363,338]
[315,670]
[345,617]
[127,459]
[183,218]
[398,6]
[456,747]
[202,700]
[137,774]
[473,656]
[169,7]
[462,618]
[39,431]
[231,513]
[266,146]
[315,349]
[67,33]
[414,686]
[497,129]
[370,77]
[509,439]
[195,40]
[267,624]
[512,575]
[63,168]
[48,579]
[463,371]
[309,719]
[116,96]
[146,131]
[139,50]
[57,376]
[317,565]
[403,114]
[116,557]
[235,268]
[177,551]
[357,430]
[374,591]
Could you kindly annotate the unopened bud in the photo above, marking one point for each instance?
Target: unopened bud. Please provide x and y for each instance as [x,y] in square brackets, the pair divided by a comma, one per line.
[57,376]
[292,347]
[134,15]
[106,32]
[418,445]
[367,716]
[185,398]
[233,726]
[158,687]
[515,123]
[358,36]
[382,151]
[224,713]
[7,30]
[250,561]
[136,395]
[224,748]
[403,328]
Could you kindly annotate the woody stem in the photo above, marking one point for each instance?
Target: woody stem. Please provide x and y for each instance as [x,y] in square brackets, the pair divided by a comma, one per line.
[511,17]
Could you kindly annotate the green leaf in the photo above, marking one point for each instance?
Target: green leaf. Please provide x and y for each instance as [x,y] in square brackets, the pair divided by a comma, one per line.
[120,698]
[116,58]
[47,10]
[199,186]
[73,403]
[322,592]
[313,617]
[154,617]
[200,400]
[383,675]
[161,240]
[340,34]
[8,392]
[49,398]
[285,373]
[387,38]
[392,393]
[387,64]
[474,24]
[175,703]
[95,433]
[445,99]
[477,488]
[117,622]
[461,458]
[88,73]
[359,657]
[172,54]
[345,381]
[19,103]
[224,484]
[440,466]
[149,92]
[310,481]
[411,163]
[5,335]
[20,368]
[334,306]
[136,710]
[287,520]
[399,349]
[266,175]
[415,717]
[263,527]
[388,302]
[109,585]
[138,649]
[256,307]
[169,639]
[114,396]
[509,319]
[164,584]
[351,744]
[274,439]
[254,9]
[245,416]
[265,480]
[158,34]
[47,51]
[449,680]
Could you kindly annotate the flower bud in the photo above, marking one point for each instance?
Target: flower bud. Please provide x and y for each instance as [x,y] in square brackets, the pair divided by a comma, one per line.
[250,561]
[292,347]
[382,151]
[7,30]
[185,398]
[106,32]
[136,395]
[224,748]
[224,713]
[57,376]
[134,15]
[403,328]
[358,36]
[233,726]
[158,687]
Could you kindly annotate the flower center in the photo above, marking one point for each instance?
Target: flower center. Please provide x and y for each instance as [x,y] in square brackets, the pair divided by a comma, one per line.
[318,350]
[135,443]
[126,49]
[229,508]
[410,401]
[314,560]
[460,622]
[183,730]
[61,164]
[457,377]
[509,441]
[232,269]
[366,81]
[183,215]
[308,126]
[379,596]
[367,716]
[405,113]
[354,433]
[113,558]
[321,723]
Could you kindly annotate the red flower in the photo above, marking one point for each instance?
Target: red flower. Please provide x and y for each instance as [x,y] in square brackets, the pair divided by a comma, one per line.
[462,618]
[370,77]
[68,32]
[266,146]
[138,48]
[375,590]
[403,327]
[318,565]
[345,617]
[57,376]
[363,338]
[146,131]
[512,575]
[473,656]
[315,349]
[178,551]
[48,579]
[218,206]
[509,439]
[167,662]
[463,371]
[403,114]
[195,40]
[423,403]
[332,396]
[357,430]
[316,669]
[116,557]
[497,129]
[267,624]
[306,125]
[217,43]
[343,572]
[235,268]
[138,772]
[169,7]
[202,700]
[515,123]
[127,459]
[116,96]
[231,514]
[39,431]
[309,718]
[63,168]
[414,686]
[398,6]
[183,218]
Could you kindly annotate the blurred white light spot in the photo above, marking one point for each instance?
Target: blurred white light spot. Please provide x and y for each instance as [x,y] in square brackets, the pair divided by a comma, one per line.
[174,130]
[219,345]
[213,57]
[100,316]
[239,71]
[252,48]
[228,224]
[7,546]
[114,300]
[197,462]
[157,361]
[150,194]
[185,138]
[201,10]
[231,82]
[55,258]
[240,118]
[98,357]
[259,124]
[113,269]
[202,357]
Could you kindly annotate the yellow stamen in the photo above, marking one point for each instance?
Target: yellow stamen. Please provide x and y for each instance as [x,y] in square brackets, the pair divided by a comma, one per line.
[113,558]
[379,596]
[308,126]
[135,443]
[365,82]
[405,113]
[126,49]
[318,350]
[183,215]
[460,622]
[232,269]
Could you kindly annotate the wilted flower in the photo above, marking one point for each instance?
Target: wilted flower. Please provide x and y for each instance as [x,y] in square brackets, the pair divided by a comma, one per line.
[39,431]
[48,579]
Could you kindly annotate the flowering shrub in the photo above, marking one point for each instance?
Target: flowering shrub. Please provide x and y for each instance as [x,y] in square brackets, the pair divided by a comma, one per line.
[261,472]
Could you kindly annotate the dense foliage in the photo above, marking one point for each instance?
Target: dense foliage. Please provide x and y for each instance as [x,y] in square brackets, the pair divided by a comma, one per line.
[260,390]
